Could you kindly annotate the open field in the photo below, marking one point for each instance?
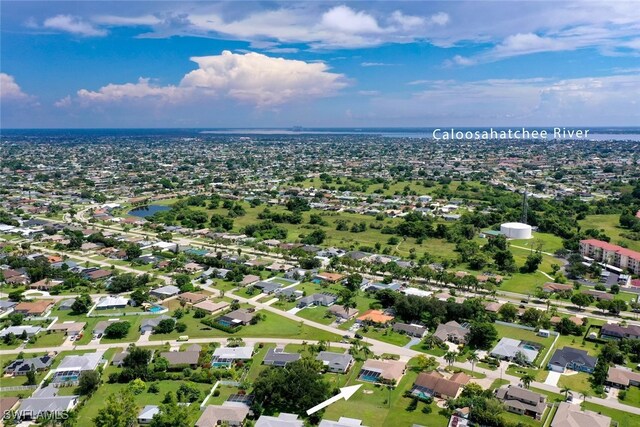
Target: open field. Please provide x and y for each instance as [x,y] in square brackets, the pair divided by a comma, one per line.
[610,224]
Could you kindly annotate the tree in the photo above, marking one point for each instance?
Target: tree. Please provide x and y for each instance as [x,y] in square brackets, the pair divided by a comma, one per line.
[117,330]
[120,411]
[482,335]
[450,357]
[171,414]
[581,300]
[88,382]
[188,393]
[82,304]
[16,319]
[527,379]
[140,296]
[473,358]
[137,386]
[316,237]
[566,390]
[165,326]
[183,281]
[31,376]
[181,327]
[133,251]
[354,281]
[280,389]
[532,262]
[426,363]
[508,312]
[617,306]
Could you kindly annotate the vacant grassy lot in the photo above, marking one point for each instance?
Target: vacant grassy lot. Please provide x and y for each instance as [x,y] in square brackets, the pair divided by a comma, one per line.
[610,224]
[273,326]
[48,340]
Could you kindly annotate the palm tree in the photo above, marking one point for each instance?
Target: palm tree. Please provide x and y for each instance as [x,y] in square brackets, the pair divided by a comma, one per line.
[450,357]
[565,390]
[527,379]
[473,358]
[585,395]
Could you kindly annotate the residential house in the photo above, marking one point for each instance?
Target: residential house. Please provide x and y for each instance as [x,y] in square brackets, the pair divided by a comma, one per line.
[148,325]
[118,358]
[227,356]
[33,308]
[282,420]
[70,328]
[509,349]
[573,359]
[621,377]
[382,371]
[267,287]
[412,330]
[147,413]
[22,366]
[553,288]
[192,297]
[33,408]
[66,304]
[45,284]
[165,292]
[96,274]
[598,295]
[342,313]
[433,384]
[72,366]
[374,316]
[230,414]
[342,422]
[453,332]
[325,299]
[19,330]
[336,362]
[522,401]
[242,316]
[569,415]
[211,307]
[102,326]
[278,357]
[616,331]
[178,359]
[329,277]
[249,279]
[112,303]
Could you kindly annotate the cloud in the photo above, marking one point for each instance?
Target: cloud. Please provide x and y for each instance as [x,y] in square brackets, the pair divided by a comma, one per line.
[251,78]
[73,25]
[314,24]
[10,90]
[141,89]
[346,20]
[126,21]
[375,64]
[63,102]
[593,101]
[368,92]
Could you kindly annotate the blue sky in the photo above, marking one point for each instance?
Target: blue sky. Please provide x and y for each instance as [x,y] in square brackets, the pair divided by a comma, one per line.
[351,64]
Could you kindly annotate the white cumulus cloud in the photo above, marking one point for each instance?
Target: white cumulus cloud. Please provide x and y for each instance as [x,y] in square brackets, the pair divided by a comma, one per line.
[74,25]
[9,89]
[252,78]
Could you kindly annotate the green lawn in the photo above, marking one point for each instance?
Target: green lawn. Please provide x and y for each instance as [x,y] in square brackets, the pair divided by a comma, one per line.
[632,397]
[317,314]
[610,224]
[132,335]
[98,400]
[53,339]
[578,383]
[386,335]
[273,326]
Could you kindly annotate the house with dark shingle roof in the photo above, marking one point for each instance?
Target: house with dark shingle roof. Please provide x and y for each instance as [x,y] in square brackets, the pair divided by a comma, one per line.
[615,331]
[433,384]
[573,359]
[453,332]
[325,299]
[278,357]
[22,366]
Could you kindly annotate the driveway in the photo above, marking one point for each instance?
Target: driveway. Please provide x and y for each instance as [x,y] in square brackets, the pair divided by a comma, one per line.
[413,342]
[552,378]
